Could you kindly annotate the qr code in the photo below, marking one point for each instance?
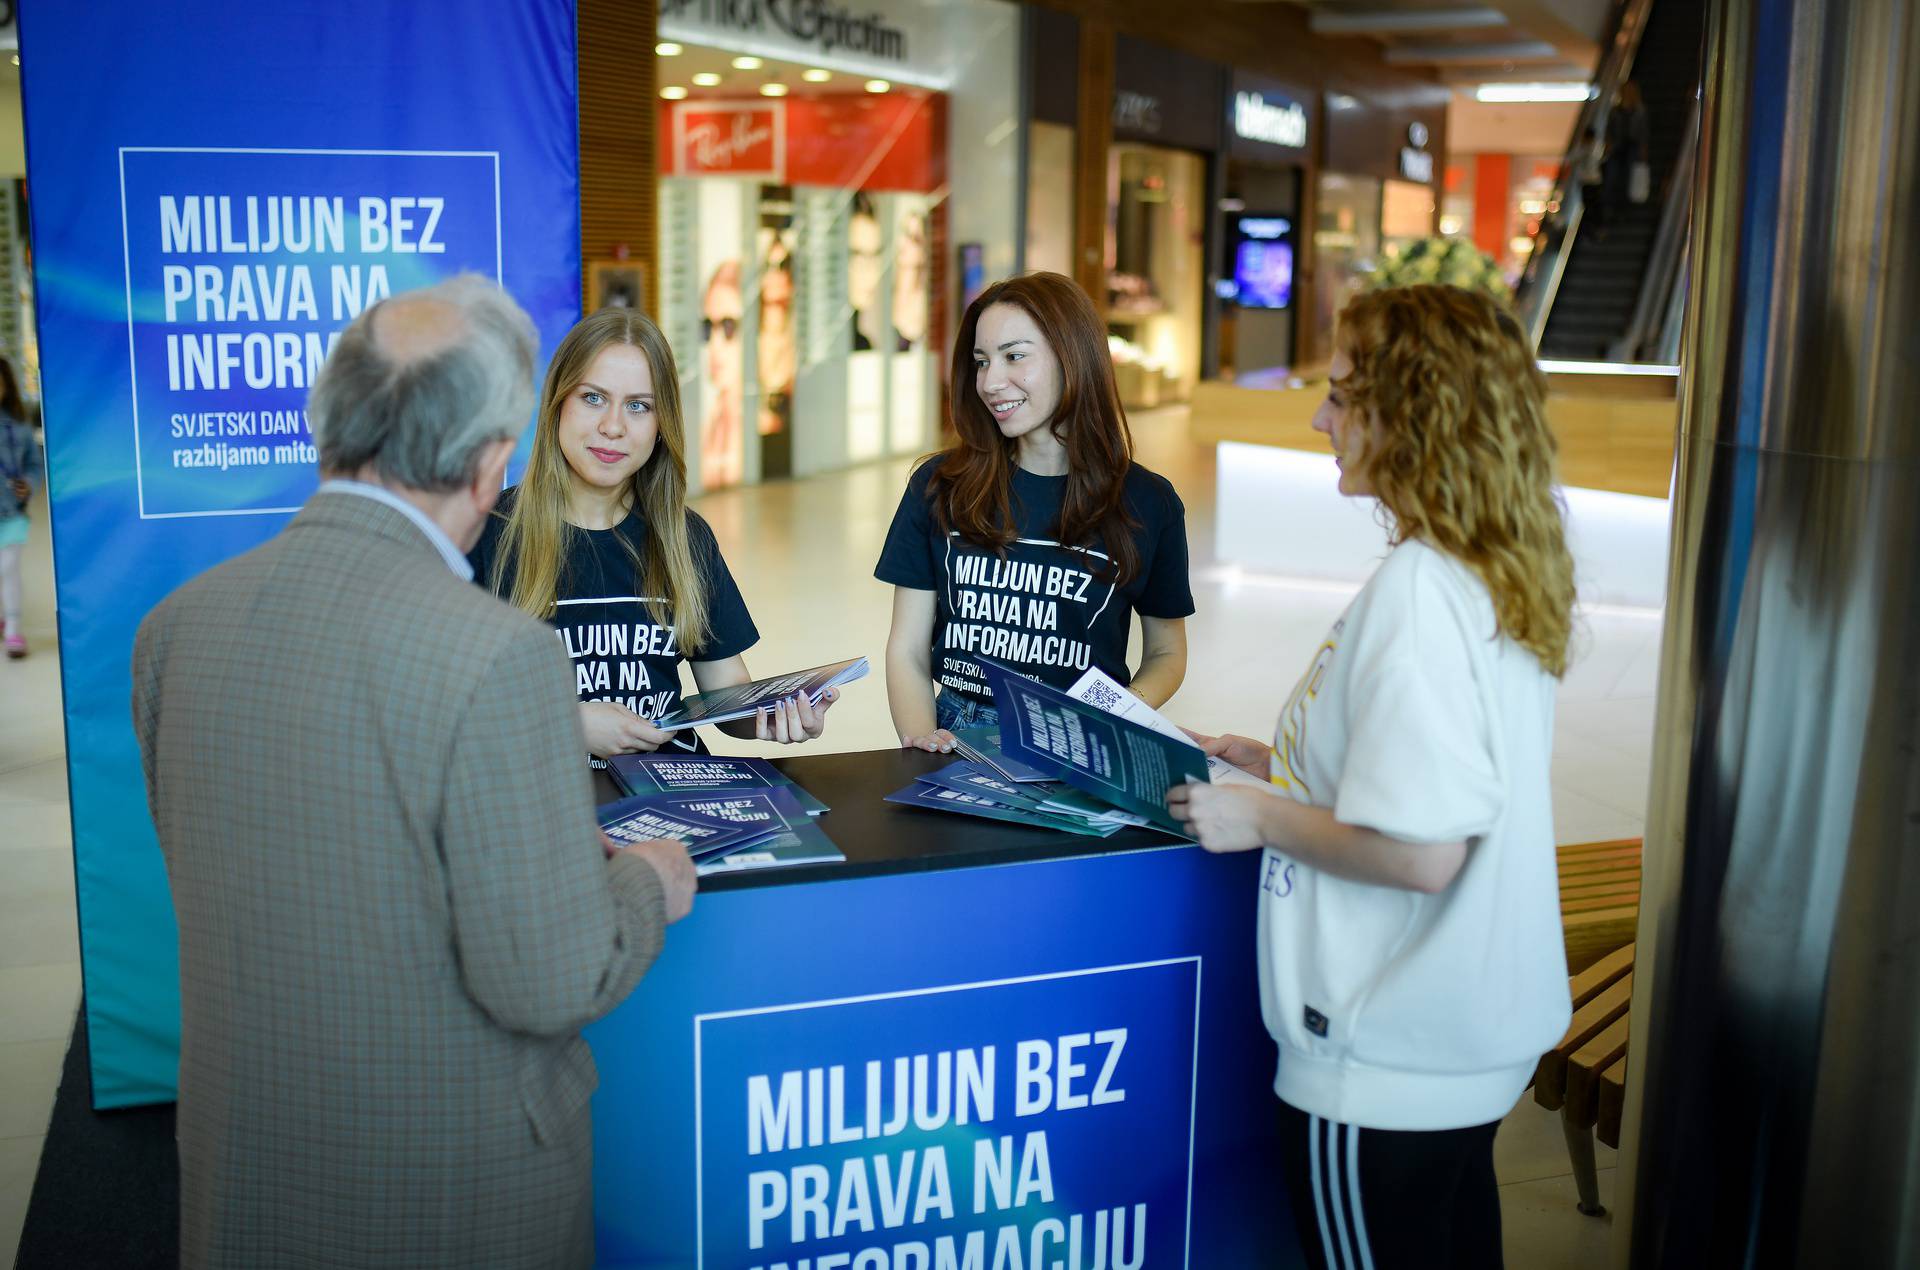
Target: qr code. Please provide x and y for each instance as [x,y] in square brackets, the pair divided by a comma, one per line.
[1102,697]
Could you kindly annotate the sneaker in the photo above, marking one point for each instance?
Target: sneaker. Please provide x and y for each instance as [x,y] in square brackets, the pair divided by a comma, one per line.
[16,647]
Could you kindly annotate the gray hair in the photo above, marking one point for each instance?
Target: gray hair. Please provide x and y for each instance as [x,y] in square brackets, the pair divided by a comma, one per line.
[422,421]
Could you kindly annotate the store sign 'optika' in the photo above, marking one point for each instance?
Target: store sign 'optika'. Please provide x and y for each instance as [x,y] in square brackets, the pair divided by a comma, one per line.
[816,22]
[1257,119]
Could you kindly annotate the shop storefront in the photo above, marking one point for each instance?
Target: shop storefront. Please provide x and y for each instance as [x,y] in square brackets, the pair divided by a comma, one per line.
[808,247]
[1377,191]
[1161,173]
[1270,135]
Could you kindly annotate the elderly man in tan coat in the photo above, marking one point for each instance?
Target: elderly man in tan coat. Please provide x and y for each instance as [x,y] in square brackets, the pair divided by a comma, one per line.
[396,911]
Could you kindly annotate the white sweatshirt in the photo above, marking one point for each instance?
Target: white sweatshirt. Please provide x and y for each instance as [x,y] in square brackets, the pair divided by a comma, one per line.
[1394,1009]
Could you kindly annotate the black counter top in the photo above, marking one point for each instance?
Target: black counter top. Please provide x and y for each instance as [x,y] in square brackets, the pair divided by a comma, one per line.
[880,837]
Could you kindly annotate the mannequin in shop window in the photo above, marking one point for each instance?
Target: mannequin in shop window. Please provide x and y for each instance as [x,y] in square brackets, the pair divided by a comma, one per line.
[1034,538]
[597,540]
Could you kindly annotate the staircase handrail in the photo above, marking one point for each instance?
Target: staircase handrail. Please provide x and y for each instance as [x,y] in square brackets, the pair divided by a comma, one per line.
[1663,262]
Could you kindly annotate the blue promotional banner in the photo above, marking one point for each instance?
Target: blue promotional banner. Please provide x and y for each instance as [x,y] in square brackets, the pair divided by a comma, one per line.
[217,190]
[1048,1066]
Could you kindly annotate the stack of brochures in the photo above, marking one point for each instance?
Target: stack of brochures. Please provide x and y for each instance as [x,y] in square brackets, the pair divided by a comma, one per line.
[1091,760]
[731,813]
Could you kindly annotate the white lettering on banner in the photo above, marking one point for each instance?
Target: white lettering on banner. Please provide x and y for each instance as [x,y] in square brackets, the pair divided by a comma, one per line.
[1108,1239]
[1257,119]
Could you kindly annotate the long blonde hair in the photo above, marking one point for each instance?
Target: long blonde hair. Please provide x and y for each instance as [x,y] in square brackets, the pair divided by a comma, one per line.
[538,538]
[1459,451]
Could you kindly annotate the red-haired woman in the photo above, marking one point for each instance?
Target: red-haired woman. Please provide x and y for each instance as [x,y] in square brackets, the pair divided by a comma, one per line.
[1034,538]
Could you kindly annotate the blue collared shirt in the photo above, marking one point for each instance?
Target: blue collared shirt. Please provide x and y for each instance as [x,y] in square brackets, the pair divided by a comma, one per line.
[455,558]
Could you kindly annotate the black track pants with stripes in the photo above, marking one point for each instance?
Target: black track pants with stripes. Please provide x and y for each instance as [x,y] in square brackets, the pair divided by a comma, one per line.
[1381,1199]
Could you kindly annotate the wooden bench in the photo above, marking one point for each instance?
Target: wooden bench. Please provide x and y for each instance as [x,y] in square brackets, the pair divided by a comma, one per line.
[1599,898]
[1584,1076]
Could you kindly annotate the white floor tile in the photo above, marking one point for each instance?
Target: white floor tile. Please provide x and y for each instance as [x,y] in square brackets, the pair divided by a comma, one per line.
[1542,1229]
[29,1077]
[38,1003]
[1531,1145]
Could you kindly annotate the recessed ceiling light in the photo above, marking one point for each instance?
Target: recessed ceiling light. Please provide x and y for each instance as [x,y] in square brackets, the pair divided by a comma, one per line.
[706,79]
[747,63]
[773,90]
[667,48]
[1531,92]
[673,92]
[878,86]
[816,75]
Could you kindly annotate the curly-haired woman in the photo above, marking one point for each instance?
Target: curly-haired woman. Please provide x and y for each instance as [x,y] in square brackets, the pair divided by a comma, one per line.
[1412,969]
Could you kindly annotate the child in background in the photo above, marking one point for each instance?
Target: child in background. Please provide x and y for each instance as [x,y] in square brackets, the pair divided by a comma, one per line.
[19,474]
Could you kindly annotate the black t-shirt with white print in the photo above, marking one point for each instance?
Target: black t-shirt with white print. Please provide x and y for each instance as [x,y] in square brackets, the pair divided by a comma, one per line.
[1042,608]
[620,640]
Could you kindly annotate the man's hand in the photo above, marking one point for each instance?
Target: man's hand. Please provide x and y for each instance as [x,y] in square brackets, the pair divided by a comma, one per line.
[671,862]
[613,729]
[794,720]
[1223,818]
[938,741]
[21,490]
[1250,756]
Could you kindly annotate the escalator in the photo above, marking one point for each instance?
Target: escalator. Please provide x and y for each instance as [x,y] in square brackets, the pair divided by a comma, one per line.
[1613,294]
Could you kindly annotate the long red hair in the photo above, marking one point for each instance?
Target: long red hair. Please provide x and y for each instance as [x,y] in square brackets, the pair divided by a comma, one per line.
[970,489]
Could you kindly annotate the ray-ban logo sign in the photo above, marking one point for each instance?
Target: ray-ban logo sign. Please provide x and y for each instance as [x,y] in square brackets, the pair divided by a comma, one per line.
[1257,119]
[816,22]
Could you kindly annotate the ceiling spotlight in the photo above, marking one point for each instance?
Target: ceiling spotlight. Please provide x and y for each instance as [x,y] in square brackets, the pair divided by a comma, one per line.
[673,92]
[667,48]
[1530,92]
[816,76]
[773,90]
[878,86]
[707,79]
[747,63]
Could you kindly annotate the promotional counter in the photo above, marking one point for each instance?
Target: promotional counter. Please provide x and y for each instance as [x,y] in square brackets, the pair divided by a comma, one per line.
[971,1045]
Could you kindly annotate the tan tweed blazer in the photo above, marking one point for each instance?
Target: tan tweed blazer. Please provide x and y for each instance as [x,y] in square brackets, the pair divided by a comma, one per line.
[395,914]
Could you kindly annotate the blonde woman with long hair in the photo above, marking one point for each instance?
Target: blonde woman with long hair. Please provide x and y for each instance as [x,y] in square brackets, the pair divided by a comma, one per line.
[597,539]
[1411,964]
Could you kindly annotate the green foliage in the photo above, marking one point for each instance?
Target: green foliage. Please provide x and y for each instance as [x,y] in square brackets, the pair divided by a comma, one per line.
[1454,261]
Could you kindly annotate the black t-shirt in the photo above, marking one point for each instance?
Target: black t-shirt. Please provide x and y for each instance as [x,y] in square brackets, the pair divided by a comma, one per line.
[621,641]
[1042,608]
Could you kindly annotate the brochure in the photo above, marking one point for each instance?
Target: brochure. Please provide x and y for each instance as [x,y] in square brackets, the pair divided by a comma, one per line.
[638,819]
[1114,759]
[777,829]
[724,705]
[1050,800]
[641,774]
[940,798]
[982,745]
[1097,688]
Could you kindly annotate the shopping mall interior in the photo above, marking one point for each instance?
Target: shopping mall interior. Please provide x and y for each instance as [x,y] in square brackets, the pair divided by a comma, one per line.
[808,210]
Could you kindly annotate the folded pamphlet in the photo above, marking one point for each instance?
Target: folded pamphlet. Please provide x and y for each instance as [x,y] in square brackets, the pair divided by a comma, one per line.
[779,830]
[1116,760]
[1097,688]
[639,819]
[724,705]
[641,774]
[982,745]
[942,798]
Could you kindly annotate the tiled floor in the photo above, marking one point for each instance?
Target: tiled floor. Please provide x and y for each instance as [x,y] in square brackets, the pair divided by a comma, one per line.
[803,553]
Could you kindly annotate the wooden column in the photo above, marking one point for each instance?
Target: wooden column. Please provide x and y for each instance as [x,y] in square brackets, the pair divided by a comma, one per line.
[619,158]
[1093,139]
